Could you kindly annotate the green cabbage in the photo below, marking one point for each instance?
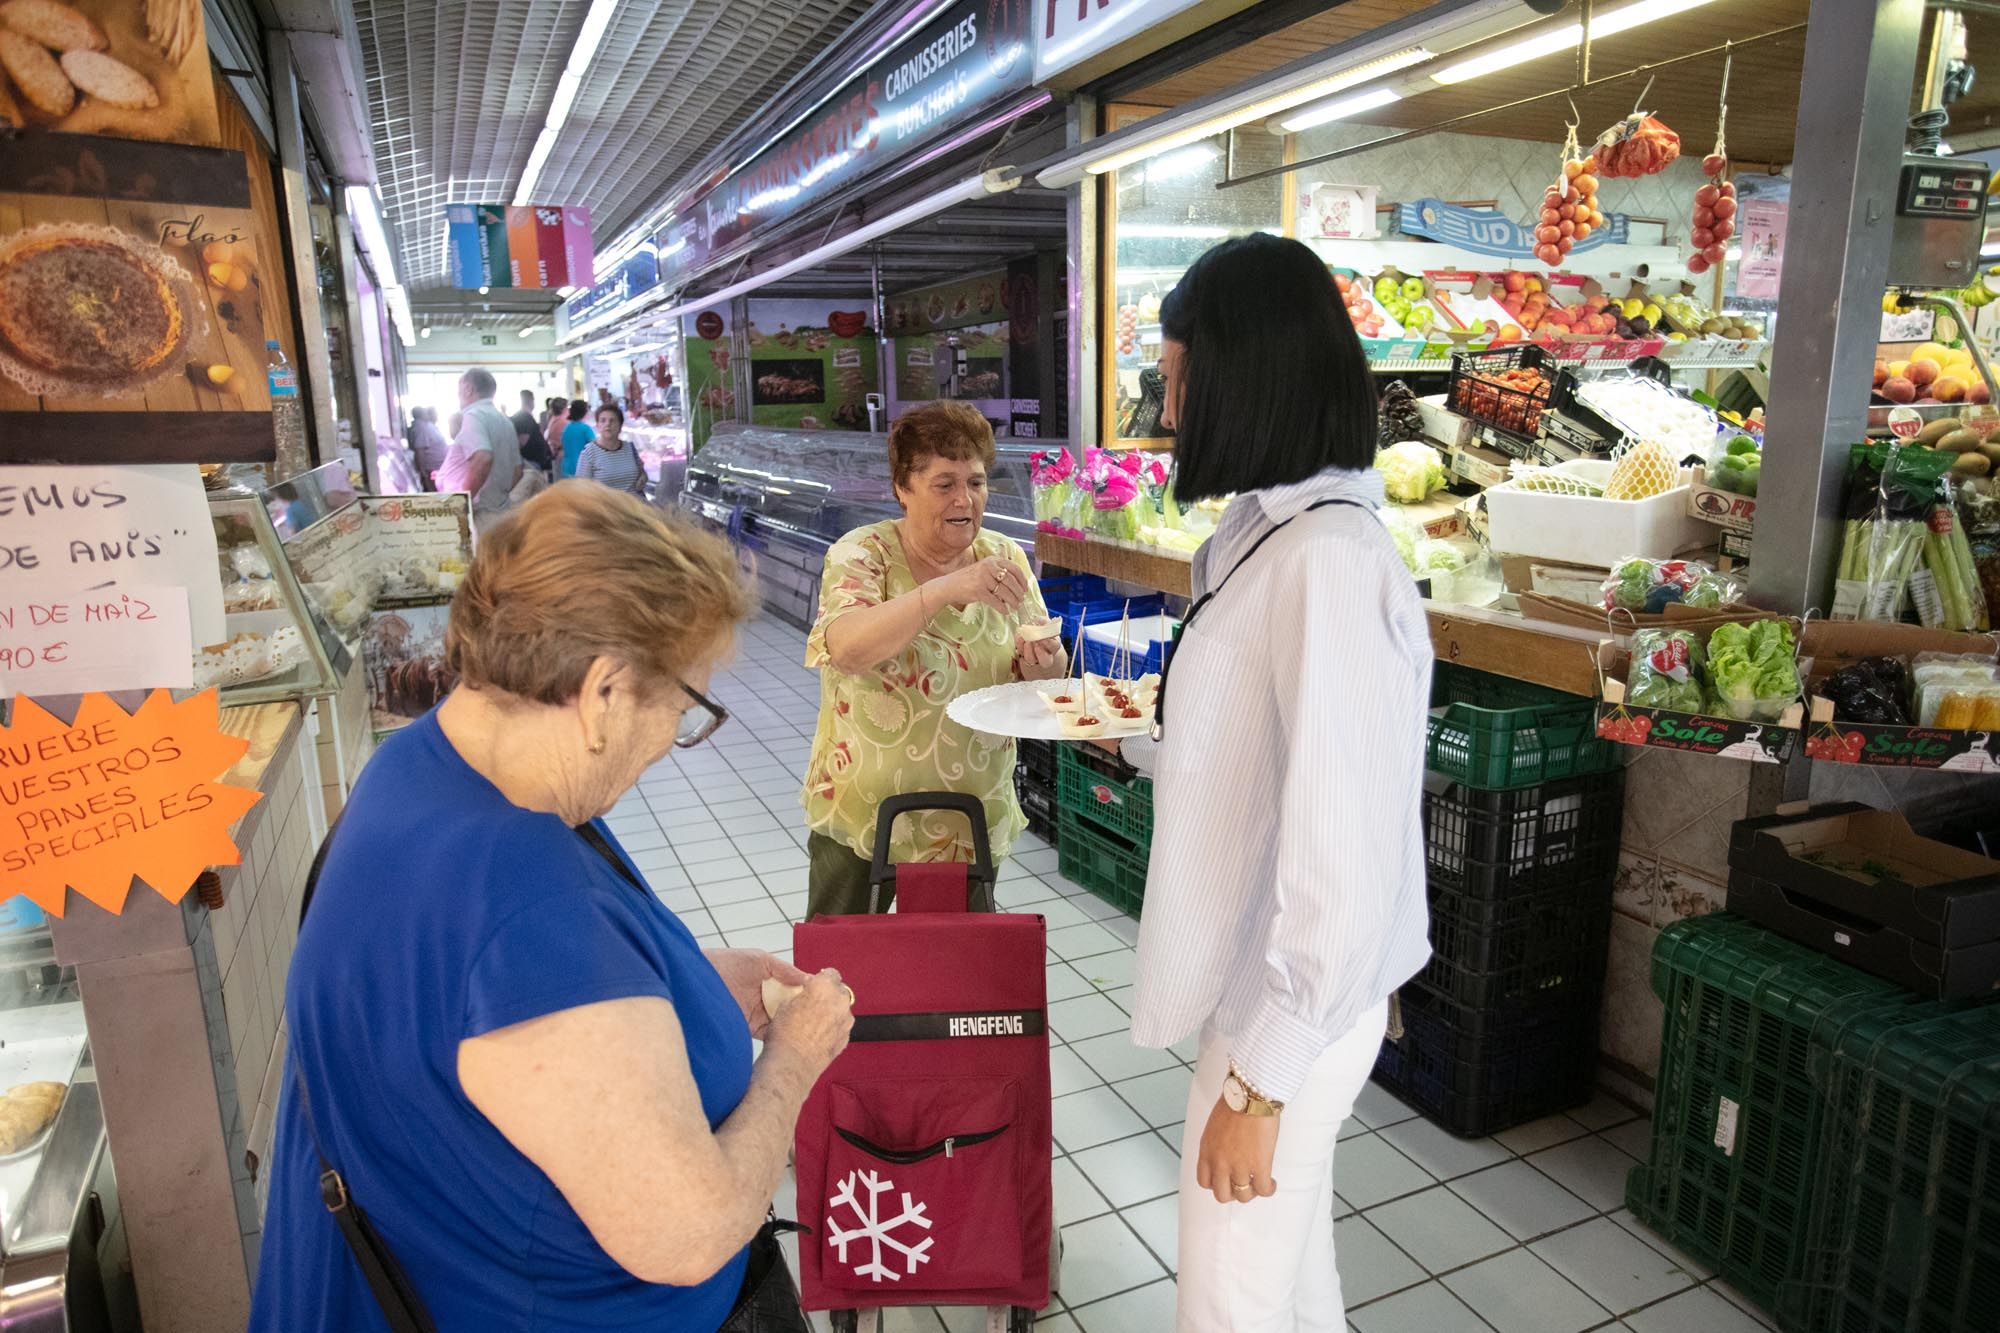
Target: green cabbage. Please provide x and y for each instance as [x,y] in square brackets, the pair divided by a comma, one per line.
[1410,471]
[1753,669]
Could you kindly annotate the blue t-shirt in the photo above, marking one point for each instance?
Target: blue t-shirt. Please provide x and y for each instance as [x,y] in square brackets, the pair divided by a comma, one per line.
[443,912]
[575,436]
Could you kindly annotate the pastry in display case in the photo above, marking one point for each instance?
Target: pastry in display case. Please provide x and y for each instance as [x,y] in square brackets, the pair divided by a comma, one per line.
[272,648]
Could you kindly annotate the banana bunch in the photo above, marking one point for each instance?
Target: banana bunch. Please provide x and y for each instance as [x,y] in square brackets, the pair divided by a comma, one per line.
[1984,291]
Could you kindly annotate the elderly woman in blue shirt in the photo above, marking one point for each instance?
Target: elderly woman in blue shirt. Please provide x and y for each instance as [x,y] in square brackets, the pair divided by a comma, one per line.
[1285,904]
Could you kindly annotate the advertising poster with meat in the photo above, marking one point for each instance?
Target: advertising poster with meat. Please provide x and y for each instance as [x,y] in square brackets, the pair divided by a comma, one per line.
[711,378]
[131,303]
[969,364]
[950,305]
[812,364]
[136,69]
[403,650]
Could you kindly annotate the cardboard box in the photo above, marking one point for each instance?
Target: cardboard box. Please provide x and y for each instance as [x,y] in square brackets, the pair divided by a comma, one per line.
[1442,424]
[1869,865]
[1665,728]
[1475,463]
[1926,969]
[1439,518]
[1726,509]
[1553,578]
[1832,645]
[1592,615]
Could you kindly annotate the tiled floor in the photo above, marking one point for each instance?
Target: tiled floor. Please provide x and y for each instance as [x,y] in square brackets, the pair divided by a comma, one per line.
[1522,1233]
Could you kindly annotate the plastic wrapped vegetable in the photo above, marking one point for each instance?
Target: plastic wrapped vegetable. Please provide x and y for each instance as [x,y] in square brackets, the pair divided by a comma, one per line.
[1410,471]
[1869,691]
[1946,589]
[1114,493]
[1736,464]
[1051,472]
[1955,692]
[1666,671]
[1157,478]
[1753,670]
[1640,584]
[1890,493]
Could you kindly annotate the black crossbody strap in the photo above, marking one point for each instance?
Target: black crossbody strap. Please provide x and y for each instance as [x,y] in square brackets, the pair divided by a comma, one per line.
[401,1306]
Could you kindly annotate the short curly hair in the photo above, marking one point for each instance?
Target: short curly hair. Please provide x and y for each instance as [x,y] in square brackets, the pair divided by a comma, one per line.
[583,571]
[944,429]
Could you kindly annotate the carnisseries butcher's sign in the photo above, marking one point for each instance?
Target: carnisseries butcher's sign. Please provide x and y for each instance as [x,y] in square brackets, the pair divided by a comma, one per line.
[971,55]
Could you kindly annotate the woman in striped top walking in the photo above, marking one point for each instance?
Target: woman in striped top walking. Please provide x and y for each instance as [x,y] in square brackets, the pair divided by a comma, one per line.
[1285,900]
[609,459]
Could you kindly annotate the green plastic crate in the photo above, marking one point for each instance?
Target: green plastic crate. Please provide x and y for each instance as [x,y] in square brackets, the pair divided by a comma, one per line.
[1906,1234]
[1497,734]
[1109,867]
[1736,1119]
[1091,788]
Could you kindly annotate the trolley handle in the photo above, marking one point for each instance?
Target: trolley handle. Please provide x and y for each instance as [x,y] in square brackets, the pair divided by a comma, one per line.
[880,872]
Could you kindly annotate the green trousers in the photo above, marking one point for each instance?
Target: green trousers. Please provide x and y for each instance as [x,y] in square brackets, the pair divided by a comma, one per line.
[837,882]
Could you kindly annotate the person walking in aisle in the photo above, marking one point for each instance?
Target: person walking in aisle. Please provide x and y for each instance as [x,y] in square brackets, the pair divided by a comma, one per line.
[609,459]
[1285,900]
[576,434]
[427,445]
[485,455]
[534,444]
[554,413]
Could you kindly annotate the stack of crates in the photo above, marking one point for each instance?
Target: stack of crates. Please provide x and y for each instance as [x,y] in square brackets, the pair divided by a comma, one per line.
[1522,811]
[1904,1233]
[1035,784]
[1104,825]
[1737,1123]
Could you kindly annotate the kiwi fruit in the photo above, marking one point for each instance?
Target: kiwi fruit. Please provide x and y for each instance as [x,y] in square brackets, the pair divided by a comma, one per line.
[1958,441]
[1935,431]
[1972,464]
[1991,449]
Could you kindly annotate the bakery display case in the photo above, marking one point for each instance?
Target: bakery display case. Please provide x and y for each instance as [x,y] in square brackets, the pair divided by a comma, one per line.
[273,648]
[1161,215]
[62,1262]
[788,495]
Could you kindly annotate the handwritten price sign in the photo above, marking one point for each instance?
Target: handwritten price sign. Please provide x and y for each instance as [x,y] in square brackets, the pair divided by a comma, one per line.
[90,804]
[106,639]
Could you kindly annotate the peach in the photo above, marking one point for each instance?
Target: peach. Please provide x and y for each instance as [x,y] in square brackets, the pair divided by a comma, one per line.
[1948,389]
[1977,392]
[1881,372]
[1923,370]
[1899,390]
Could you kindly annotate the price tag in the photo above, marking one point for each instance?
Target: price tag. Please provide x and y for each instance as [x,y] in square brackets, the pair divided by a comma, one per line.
[1726,1112]
[1905,423]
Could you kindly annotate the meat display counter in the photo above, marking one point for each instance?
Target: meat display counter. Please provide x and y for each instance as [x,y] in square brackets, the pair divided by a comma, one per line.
[785,496]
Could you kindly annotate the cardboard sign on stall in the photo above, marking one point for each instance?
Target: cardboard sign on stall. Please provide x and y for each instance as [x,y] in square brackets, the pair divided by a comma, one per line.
[91,804]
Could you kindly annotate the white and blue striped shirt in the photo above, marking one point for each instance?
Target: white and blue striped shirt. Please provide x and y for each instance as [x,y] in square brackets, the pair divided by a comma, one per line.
[1286,893]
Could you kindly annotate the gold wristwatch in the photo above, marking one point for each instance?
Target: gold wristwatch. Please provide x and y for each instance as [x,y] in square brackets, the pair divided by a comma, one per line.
[1239,1096]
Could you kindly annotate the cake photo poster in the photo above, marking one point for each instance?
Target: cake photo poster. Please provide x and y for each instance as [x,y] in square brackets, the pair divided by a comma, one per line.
[136,69]
[131,303]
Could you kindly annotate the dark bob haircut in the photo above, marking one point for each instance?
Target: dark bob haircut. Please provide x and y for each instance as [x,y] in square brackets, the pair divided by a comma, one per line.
[578,409]
[1274,386]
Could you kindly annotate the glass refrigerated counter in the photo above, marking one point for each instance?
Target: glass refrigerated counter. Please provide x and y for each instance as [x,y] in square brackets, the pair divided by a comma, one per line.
[785,496]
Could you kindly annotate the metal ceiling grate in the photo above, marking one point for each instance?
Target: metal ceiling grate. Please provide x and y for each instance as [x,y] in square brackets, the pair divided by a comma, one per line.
[458,89]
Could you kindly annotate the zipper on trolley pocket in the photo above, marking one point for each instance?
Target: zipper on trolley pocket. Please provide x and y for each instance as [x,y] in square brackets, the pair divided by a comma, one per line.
[947,1146]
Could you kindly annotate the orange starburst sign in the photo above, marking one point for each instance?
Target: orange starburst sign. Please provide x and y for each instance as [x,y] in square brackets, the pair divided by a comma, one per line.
[92,803]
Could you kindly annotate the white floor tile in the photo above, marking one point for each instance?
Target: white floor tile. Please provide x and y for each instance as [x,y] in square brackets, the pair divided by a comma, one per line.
[776,862]
[1516,1292]
[1131,1171]
[1603,1112]
[1694,1267]
[1109,971]
[749,912]
[1068,1073]
[1634,1137]
[730,890]
[716,872]
[1376,1108]
[773,939]
[1060,912]
[1096,1115]
[1115,1057]
[1159,1225]
[1076,1198]
[639,842]
[668,880]
[1370,1265]
[1430,1308]
[1589,1168]
[1037,862]
[1616,1269]
[1102,1257]
[1086,1016]
[1368,1171]
[1696,1311]
[1075,942]
[1526,1203]
[1441,1152]
[1539,1134]
[1161,1098]
[1438,1229]
[1150,1309]
[1065,982]
[692,854]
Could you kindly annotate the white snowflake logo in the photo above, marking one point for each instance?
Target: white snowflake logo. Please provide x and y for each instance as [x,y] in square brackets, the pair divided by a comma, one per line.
[874,1228]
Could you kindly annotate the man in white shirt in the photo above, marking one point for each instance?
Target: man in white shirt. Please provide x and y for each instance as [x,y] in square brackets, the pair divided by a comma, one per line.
[485,456]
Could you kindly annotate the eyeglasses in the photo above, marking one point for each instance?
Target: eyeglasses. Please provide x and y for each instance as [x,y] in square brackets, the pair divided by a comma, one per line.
[699,722]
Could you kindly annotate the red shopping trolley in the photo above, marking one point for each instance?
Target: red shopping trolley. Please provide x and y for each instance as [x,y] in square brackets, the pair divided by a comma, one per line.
[923,1154]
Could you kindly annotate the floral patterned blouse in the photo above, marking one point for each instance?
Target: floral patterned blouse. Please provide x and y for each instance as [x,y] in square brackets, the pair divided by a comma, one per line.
[883,731]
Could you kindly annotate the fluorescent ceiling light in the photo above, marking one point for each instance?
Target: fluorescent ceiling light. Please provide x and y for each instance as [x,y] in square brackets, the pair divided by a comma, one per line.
[1181,162]
[1563,37]
[531,330]
[1152,231]
[398,301]
[374,237]
[1258,109]
[588,39]
[1340,109]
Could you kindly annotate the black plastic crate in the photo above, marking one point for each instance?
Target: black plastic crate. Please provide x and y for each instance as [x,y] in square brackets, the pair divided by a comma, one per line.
[1494,1073]
[1498,954]
[1488,844]
[1037,759]
[1905,1228]
[1497,406]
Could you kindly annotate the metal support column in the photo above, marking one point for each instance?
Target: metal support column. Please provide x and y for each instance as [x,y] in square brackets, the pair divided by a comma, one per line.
[1854,100]
[1083,261]
[316,368]
[357,350]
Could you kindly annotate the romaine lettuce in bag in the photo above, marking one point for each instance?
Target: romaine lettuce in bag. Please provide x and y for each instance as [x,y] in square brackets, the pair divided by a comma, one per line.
[1666,671]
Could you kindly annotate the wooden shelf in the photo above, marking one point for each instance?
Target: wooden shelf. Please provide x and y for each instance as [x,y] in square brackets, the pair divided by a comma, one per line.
[1541,653]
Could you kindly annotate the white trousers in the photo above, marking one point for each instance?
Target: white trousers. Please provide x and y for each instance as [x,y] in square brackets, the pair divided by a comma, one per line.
[1267,1266]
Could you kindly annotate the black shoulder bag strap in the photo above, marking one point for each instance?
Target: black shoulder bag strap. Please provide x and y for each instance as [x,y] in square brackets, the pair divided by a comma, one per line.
[1166,668]
[401,1306]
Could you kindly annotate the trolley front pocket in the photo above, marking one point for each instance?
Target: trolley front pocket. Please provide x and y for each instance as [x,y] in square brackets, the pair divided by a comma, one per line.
[922,1186]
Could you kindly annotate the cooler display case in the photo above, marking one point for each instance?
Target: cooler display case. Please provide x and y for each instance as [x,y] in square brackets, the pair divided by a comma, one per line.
[272,648]
[63,1262]
[786,496]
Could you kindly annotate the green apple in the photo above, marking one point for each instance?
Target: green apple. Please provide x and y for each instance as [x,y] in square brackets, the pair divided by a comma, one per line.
[1413,288]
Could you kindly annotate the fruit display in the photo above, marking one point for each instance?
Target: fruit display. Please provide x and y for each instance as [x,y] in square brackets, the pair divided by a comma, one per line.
[1367,319]
[1973,436]
[1737,465]
[1714,216]
[1642,470]
[1525,297]
[1688,314]
[1748,672]
[1404,299]
[1128,329]
[1934,373]
[1511,400]
[1645,409]
[1639,145]
[1569,211]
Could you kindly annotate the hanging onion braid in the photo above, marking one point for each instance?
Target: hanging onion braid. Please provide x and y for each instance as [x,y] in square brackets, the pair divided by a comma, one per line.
[583,571]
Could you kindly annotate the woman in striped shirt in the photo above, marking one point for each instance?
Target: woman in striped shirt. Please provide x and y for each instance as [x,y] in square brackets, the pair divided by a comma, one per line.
[1285,900]
[609,459]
